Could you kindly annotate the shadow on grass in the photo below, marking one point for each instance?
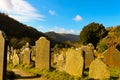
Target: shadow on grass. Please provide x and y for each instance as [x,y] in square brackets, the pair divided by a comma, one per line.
[114,78]
[26,77]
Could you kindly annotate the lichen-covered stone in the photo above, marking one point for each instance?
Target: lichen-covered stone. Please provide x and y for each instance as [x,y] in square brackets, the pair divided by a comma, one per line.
[15,58]
[42,59]
[98,70]
[74,62]
[26,56]
[112,57]
[89,54]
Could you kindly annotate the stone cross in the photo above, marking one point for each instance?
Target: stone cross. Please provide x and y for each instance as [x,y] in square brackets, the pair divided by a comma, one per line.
[111,42]
[3,55]
[42,59]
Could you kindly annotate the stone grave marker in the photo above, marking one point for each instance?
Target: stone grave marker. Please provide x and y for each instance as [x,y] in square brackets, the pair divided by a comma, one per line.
[42,59]
[3,55]
[89,54]
[98,70]
[15,60]
[74,62]
[26,55]
[112,59]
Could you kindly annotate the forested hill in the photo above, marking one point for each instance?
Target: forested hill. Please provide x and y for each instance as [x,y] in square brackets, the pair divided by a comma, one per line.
[61,37]
[13,28]
[17,32]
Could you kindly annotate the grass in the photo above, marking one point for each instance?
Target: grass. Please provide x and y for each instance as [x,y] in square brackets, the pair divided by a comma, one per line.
[50,74]
[54,74]
[115,73]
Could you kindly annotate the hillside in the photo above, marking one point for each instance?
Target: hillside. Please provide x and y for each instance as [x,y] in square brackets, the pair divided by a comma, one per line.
[14,28]
[62,37]
[17,32]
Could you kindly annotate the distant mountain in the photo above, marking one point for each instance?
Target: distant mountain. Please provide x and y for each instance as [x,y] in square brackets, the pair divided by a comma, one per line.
[60,37]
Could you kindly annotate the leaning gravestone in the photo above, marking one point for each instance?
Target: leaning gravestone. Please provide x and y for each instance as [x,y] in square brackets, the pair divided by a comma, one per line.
[98,70]
[3,55]
[42,53]
[74,62]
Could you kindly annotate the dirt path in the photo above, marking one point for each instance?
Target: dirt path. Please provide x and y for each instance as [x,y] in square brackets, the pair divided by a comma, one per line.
[23,75]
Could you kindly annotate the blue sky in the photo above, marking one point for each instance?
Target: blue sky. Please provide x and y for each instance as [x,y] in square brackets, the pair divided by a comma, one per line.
[62,16]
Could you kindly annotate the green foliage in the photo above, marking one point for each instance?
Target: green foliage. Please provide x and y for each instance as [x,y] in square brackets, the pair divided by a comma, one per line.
[101,46]
[18,43]
[92,33]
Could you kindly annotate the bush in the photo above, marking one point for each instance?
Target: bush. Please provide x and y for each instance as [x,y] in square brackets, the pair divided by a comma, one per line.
[101,47]
[92,33]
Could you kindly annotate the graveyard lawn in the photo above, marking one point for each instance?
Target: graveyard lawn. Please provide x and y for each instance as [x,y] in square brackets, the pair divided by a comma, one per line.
[53,74]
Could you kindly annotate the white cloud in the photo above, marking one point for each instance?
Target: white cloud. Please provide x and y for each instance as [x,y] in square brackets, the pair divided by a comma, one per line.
[20,10]
[51,12]
[62,30]
[77,18]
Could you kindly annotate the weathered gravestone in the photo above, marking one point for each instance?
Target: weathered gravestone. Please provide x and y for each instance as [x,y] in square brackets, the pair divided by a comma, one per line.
[8,56]
[98,70]
[59,59]
[74,62]
[112,55]
[15,59]
[89,54]
[3,55]
[112,58]
[26,55]
[42,59]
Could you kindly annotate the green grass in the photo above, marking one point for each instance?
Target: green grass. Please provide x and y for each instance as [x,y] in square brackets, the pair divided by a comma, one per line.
[115,73]
[50,74]
[54,74]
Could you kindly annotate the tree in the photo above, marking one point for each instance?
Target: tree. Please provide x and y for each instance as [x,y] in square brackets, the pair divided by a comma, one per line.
[92,33]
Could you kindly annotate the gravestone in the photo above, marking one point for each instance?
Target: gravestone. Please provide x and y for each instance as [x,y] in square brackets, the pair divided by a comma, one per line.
[112,55]
[42,59]
[113,59]
[74,62]
[89,54]
[98,70]
[60,61]
[3,55]
[8,56]
[26,55]
[15,58]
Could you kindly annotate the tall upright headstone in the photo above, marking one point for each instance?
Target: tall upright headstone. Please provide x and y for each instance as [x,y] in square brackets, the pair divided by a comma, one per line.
[74,62]
[42,59]
[26,55]
[3,55]
[15,59]
[89,53]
